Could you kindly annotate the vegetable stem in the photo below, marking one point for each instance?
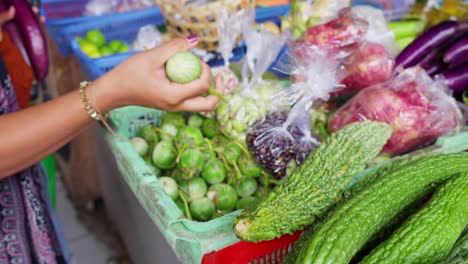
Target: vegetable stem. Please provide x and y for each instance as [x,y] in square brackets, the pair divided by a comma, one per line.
[187,210]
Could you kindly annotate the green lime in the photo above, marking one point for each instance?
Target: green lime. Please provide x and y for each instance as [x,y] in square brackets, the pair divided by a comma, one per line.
[223,195]
[115,45]
[81,41]
[96,37]
[202,209]
[246,186]
[106,51]
[124,48]
[90,49]
[246,202]
[164,154]
[214,172]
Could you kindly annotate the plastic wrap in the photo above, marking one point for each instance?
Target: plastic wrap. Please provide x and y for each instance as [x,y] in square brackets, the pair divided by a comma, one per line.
[148,37]
[360,39]
[283,139]
[418,109]
[249,100]
[228,25]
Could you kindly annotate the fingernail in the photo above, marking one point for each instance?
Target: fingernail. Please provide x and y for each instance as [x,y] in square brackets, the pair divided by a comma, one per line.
[192,38]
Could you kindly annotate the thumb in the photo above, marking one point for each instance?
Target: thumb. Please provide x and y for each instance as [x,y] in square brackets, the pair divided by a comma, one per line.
[164,52]
[7,15]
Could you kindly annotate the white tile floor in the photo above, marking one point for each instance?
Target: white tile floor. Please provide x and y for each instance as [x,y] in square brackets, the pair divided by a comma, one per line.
[85,248]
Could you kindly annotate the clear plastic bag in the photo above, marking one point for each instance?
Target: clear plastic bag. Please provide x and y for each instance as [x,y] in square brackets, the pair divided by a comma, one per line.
[369,64]
[418,109]
[249,100]
[283,139]
[148,37]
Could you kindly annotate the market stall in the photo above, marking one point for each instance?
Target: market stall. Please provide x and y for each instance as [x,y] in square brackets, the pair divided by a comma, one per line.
[342,137]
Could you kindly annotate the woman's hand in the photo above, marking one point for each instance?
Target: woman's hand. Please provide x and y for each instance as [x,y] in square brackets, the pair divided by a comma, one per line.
[141,80]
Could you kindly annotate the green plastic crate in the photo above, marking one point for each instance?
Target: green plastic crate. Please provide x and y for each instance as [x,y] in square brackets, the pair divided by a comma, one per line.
[190,240]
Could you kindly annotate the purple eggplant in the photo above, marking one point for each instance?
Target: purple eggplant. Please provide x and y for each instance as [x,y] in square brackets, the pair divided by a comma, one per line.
[12,31]
[456,79]
[433,63]
[457,53]
[32,36]
[428,41]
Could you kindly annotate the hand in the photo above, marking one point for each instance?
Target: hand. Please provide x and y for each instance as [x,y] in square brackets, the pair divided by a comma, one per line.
[141,80]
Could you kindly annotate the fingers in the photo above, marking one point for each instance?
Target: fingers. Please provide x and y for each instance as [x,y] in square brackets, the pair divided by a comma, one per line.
[203,104]
[164,52]
[197,87]
[7,15]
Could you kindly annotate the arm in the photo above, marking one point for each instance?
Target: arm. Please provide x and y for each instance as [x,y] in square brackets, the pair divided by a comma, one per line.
[29,135]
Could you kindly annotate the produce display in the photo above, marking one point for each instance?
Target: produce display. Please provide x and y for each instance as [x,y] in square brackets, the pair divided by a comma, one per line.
[204,172]
[95,45]
[340,149]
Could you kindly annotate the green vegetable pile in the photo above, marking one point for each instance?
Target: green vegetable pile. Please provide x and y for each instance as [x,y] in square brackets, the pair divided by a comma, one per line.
[206,173]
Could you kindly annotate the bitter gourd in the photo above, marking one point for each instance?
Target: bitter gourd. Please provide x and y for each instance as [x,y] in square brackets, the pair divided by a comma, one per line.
[364,215]
[315,186]
[429,235]
[459,252]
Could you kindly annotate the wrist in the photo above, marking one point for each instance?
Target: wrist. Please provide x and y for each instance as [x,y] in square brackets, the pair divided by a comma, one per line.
[104,95]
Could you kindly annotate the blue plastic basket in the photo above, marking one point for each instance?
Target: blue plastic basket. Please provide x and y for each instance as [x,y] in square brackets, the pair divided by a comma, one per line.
[65,13]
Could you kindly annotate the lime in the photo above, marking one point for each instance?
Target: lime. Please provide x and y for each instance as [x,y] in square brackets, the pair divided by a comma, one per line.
[164,154]
[96,37]
[89,49]
[246,186]
[214,172]
[81,41]
[123,48]
[202,209]
[106,51]
[196,188]
[115,45]
[210,128]
[246,202]
[223,195]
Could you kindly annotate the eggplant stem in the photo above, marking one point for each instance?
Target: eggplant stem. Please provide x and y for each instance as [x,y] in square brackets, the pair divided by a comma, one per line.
[187,210]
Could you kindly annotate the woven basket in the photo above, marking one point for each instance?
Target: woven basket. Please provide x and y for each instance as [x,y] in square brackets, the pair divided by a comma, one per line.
[184,20]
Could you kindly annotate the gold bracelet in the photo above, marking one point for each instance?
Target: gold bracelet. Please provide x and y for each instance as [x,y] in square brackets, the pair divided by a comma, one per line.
[91,110]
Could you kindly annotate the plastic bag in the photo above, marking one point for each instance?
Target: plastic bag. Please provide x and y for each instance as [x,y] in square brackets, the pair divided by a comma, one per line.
[418,109]
[369,64]
[306,13]
[283,139]
[377,31]
[249,100]
[99,7]
[148,37]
